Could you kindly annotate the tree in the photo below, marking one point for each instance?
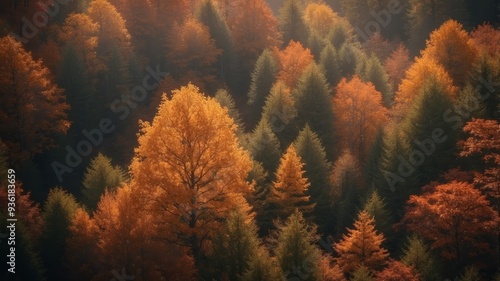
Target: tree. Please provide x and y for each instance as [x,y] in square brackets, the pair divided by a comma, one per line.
[296,251]
[99,177]
[362,274]
[361,246]
[28,94]
[262,81]
[329,60]
[342,32]
[263,267]
[379,46]
[396,271]
[396,65]
[470,274]
[317,169]
[280,112]
[359,114]
[292,61]
[291,22]
[290,186]
[420,71]
[376,207]
[349,55]
[313,105]
[374,72]
[227,101]
[315,43]
[419,256]
[451,47]
[58,212]
[204,169]
[455,217]
[265,147]
[320,18]
[485,38]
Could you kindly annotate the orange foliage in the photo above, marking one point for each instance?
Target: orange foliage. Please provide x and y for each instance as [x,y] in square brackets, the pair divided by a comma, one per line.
[359,114]
[292,61]
[487,39]
[190,165]
[454,217]
[32,110]
[397,271]
[361,246]
[397,64]
[451,47]
[27,211]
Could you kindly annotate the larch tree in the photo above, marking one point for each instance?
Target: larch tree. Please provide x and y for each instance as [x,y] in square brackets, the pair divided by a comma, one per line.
[313,101]
[396,271]
[342,32]
[376,207]
[296,251]
[359,114]
[292,61]
[33,108]
[418,255]
[289,191]
[315,43]
[375,73]
[361,246]
[263,267]
[362,273]
[451,47]
[227,101]
[193,142]
[264,147]
[396,65]
[291,22]
[379,46]
[349,55]
[99,177]
[320,18]
[455,217]
[329,60]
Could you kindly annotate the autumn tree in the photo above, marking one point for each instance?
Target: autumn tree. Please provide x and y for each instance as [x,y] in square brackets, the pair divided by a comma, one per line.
[265,147]
[227,101]
[280,112]
[379,46]
[374,72]
[451,47]
[28,94]
[263,76]
[361,246]
[396,65]
[312,97]
[376,207]
[58,212]
[329,60]
[290,186]
[296,251]
[292,61]
[455,217]
[418,255]
[362,273]
[263,267]
[358,115]
[193,132]
[291,22]
[317,170]
[319,17]
[396,271]
[342,32]
[100,176]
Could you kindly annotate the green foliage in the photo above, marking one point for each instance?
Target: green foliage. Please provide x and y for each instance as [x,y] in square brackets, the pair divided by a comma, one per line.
[99,177]
[263,77]
[485,74]
[341,33]
[265,148]
[313,100]
[317,170]
[349,55]
[57,215]
[419,255]
[329,60]
[227,101]
[262,267]
[375,206]
[296,251]
[374,72]
[315,43]
[362,274]
[291,22]
[470,274]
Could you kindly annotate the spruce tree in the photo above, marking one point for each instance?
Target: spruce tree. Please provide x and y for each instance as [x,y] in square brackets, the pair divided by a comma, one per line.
[341,33]
[262,267]
[418,255]
[315,43]
[291,22]
[227,101]
[265,147]
[374,72]
[349,55]
[329,60]
[375,206]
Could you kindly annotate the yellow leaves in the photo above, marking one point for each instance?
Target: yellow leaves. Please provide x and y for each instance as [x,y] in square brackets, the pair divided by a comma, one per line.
[320,18]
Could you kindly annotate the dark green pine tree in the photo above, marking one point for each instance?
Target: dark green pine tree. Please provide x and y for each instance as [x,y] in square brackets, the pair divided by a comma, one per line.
[258,199]
[419,255]
[376,207]
[79,94]
[341,33]
[265,148]
[296,251]
[208,14]
[485,86]
[362,274]
[317,170]
[57,215]
[291,22]
[227,101]
[313,101]
[234,246]
[372,166]
[315,43]
[262,267]
[99,177]
[117,79]
[329,60]
[279,112]
[263,77]
[374,72]
[349,55]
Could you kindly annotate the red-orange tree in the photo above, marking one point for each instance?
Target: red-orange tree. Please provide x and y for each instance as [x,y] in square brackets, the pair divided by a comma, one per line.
[292,61]
[397,64]
[397,271]
[33,110]
[190,166]
[358,115]
[454,217]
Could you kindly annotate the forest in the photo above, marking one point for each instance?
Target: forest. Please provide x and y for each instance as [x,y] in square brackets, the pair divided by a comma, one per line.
[327,140]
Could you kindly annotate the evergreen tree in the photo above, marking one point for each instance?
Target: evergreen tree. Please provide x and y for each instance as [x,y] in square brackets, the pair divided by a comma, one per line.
[262,81]
[341,33]
[329,60]
[315,43]
[227,101]
[349,55]
[374,72]
[290,187]
[484,73]
[99,177]
[296,251]
[57,214]
[291,22]
[418,255]
[280,112]
[362,274]
[262,267]
[375,206]
[470,274]
[265,147]
[313,102]
[317,169]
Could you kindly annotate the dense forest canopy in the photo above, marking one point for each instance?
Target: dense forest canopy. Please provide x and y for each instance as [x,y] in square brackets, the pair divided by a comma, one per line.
[250,139]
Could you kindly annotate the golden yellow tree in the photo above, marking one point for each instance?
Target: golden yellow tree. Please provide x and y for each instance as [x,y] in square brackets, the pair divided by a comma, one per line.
[190,165]
[292,61]
[289,189]
[451,47]
[320,17]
